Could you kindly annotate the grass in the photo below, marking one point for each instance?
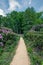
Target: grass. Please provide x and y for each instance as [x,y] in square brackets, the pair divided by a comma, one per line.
[34,43]
[8,50]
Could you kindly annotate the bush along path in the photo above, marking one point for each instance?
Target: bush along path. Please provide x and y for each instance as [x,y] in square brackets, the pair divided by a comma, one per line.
[21,56]
[8,43]
[34,43]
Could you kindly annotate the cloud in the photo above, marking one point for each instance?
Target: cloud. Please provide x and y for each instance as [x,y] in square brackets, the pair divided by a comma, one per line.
[30,2]
[27,2]
[40,9]
[13,5]
[2,12]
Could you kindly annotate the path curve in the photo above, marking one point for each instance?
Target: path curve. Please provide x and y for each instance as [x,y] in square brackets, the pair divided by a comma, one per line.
[21,56]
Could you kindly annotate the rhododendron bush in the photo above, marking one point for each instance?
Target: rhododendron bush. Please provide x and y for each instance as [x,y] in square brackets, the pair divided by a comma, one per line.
[7,39]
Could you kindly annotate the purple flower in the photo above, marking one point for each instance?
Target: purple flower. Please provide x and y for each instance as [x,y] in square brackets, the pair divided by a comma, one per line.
[5,31]
[1,36]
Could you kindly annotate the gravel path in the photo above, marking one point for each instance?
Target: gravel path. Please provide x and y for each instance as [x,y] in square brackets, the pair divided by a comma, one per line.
[21,57]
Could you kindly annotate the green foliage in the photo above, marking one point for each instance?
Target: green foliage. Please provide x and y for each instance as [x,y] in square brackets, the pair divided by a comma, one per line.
[9,41]
[1,50]
[29,18]
[34,46]
[20,22]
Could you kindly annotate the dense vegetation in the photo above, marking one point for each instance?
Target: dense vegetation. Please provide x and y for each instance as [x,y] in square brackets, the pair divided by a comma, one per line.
[20,22]
[8,43]
[34,43]
[23,23]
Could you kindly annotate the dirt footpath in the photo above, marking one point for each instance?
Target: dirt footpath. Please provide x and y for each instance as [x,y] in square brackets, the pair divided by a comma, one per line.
[21,57]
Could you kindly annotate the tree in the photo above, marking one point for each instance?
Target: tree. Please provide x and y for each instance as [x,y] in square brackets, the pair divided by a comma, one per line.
[29,18]
[0,20]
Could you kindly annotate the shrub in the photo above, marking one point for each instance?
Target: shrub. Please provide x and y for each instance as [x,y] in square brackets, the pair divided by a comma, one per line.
[35,46]
[9,42]
[7,51]
[1,50]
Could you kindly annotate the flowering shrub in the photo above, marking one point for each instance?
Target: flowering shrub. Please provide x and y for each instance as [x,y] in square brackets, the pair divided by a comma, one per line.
[7,40]
[5,30]
[1,36]
[8,43]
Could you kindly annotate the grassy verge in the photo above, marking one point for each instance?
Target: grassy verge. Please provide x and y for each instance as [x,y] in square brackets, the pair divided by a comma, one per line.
[34,43]
[7,51]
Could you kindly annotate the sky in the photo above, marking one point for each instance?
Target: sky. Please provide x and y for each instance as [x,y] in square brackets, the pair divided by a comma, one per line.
[7,6]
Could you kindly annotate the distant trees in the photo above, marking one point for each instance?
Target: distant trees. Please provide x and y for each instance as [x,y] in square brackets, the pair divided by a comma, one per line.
[29,18]
[0,20]
[22,21]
